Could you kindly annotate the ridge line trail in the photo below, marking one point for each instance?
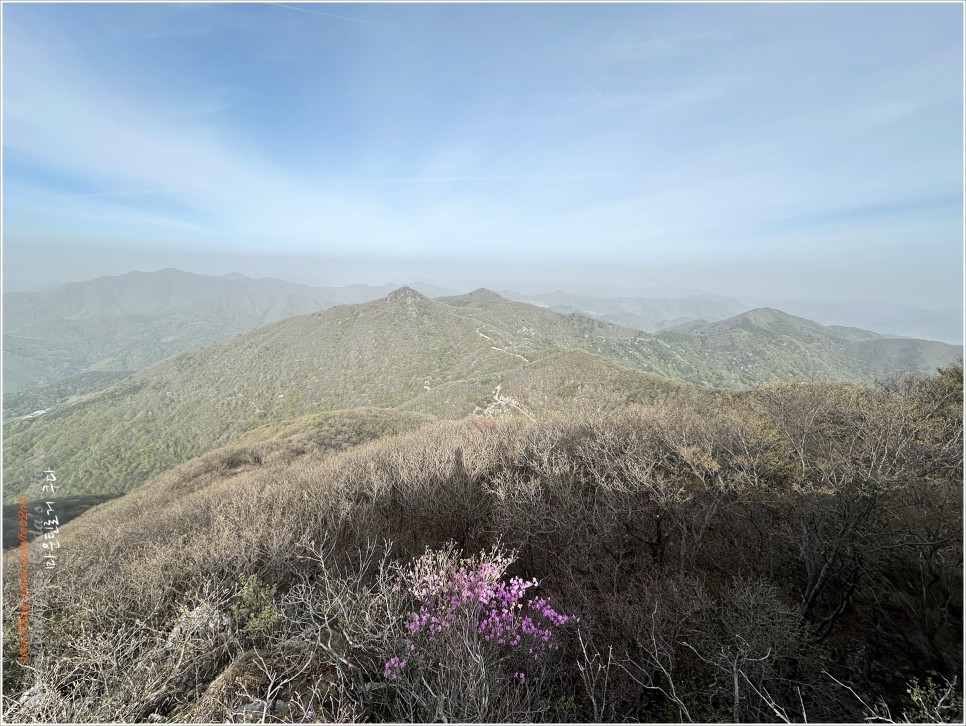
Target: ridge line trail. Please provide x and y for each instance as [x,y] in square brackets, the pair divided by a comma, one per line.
[509,401]
[502,350]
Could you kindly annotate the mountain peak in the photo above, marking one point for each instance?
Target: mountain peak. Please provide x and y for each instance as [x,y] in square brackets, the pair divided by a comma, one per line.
[763,314]
[406,294]
[767,316]
[483,294]
[480,297]
[770,319]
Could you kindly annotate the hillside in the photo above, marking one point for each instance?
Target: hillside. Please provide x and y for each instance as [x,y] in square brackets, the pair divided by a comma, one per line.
[313,436]
[382,354]
[648,314]
[447,357]
[569,380]
[127,322]
[65,390]
[766,344]
[944,324]
[659,548]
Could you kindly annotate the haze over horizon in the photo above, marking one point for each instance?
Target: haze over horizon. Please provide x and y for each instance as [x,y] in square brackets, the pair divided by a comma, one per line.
[944,325]
[746,150]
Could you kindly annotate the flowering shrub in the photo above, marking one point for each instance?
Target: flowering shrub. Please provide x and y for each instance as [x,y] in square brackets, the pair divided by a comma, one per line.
[393,666]
[467,598]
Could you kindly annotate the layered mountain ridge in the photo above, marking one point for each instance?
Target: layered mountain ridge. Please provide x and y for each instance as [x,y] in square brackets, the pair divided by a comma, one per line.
[126,322]
[477,353]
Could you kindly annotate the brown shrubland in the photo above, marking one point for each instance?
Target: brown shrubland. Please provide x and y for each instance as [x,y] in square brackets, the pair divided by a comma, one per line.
[793,553]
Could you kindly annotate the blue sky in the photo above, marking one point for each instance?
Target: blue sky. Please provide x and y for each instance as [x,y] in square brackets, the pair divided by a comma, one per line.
[800,151]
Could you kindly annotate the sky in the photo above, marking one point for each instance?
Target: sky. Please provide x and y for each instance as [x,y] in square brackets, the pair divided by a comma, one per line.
[801,151]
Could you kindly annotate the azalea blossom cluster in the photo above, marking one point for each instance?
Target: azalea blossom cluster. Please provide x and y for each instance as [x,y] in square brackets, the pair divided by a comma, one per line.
[393,666]
[472,596]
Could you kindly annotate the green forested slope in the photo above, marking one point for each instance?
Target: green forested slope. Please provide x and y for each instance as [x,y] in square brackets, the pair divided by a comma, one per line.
[378,354]
[126,322]
[444,357]
[764,345]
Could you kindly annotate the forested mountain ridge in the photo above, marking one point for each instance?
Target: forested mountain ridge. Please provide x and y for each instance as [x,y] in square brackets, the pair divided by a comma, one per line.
[383,353]
[647,314]
[257,505]
[451,356]
[127,322]
[766,344]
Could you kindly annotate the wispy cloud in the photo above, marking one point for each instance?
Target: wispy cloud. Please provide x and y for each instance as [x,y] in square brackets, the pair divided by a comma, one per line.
[944,206]
[571,141]
[507,178]
[644,42]
[313,11]
[641,102]
[117,193]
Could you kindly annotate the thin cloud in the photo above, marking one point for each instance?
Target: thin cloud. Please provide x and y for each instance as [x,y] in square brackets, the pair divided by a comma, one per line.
[659,102]
[119,193]
[416,153]
[337,17]
[512,178]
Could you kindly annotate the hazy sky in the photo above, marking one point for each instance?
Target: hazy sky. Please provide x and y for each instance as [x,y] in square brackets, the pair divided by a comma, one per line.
[810,151]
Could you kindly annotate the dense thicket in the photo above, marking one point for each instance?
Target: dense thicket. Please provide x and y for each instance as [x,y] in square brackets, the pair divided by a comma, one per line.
[787,554]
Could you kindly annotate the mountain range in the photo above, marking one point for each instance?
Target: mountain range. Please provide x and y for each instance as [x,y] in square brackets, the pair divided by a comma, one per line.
[126,322]
[219,508]
[114,325]
[453,356]
[647,314]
